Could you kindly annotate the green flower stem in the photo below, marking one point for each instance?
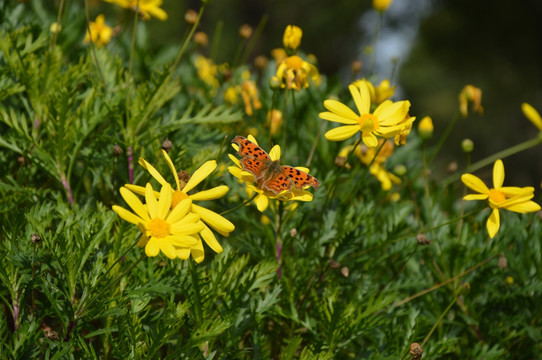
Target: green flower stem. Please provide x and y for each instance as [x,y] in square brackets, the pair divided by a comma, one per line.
[58,18]
[132,47]
[444,137]
[492,158]
[338,173]
[240,205]
[314,143]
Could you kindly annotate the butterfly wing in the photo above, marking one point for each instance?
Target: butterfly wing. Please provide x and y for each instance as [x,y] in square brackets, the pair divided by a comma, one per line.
[248,148]
[300,178]
[254,166]
[276,183]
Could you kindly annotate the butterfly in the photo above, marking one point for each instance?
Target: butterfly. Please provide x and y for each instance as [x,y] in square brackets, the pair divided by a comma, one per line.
[269,174]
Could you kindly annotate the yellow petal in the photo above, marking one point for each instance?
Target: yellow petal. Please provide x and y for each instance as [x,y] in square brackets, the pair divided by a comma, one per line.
[362,97]
[474,183]
[215,220]
[182,253]
[274,154]
[180,240]
[211,194]
[475,197]
[150,199]
[261,202]
[337,108]
[337,118]
[168,249]
[133,201]
[154,173]
[198,253]
[524,207]
[342,132]
[186,229]
[200,174]
[210,240]
[152,248]
[140,190]
[127,216]
[370,140]
[533,115]
[252,139]
[493,223]
[164,202]
[172,168]
[498,174]
[179,211]
[391,114]
[234,159]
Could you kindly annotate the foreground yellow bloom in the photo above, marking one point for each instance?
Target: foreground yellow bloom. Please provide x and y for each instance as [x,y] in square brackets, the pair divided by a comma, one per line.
[511,198]
[388,119]
[533,115]
[292,37]
[145,8]
[294,73]
[100,33]
[214,220]
[171,232]
[263,196]
[470,94]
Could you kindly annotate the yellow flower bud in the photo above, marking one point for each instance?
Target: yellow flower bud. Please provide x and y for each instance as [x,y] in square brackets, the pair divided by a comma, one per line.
[381,5]
[425,128]
[467,145]
[292,37]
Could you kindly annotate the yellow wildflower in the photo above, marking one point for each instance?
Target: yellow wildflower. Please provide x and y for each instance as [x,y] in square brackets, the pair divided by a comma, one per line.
[249,93]
[171,232]
[207,71]
[214,220]
[274,120]
[386,121]
[511,198]
[231,95]
[145,8]
[292,37]
[470,94]
[100,33]
[294,73]
[533,115]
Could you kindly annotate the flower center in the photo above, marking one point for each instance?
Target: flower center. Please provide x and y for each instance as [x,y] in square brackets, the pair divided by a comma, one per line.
[368,123]
[496,196]
[159,228]
[178,196]
[294,62]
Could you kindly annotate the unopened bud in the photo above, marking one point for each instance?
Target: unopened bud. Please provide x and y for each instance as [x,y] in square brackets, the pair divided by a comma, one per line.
[502,263]
[274,83]
[345,271]
[245,31]
[191,16]
[117,150]
[35,238]
[167,145]
[467,146]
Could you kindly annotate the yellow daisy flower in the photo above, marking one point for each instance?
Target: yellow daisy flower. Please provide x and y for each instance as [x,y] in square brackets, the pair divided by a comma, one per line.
[217,222]
[294,73]
[171,232]
[511,198]
[386,121]
[262,198]
[145,8]
[100,33]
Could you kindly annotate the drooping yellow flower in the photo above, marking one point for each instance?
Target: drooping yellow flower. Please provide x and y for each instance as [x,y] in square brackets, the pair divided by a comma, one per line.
[263,196]
[294,73]
[386,121]
[207,71]
[511,198]
[292,37]
[381,5]
[231,95]
[100,33]
[215,221]
[274,121]
[145,8]
[171,232]
[470,94]
[379,93]
[533,115]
